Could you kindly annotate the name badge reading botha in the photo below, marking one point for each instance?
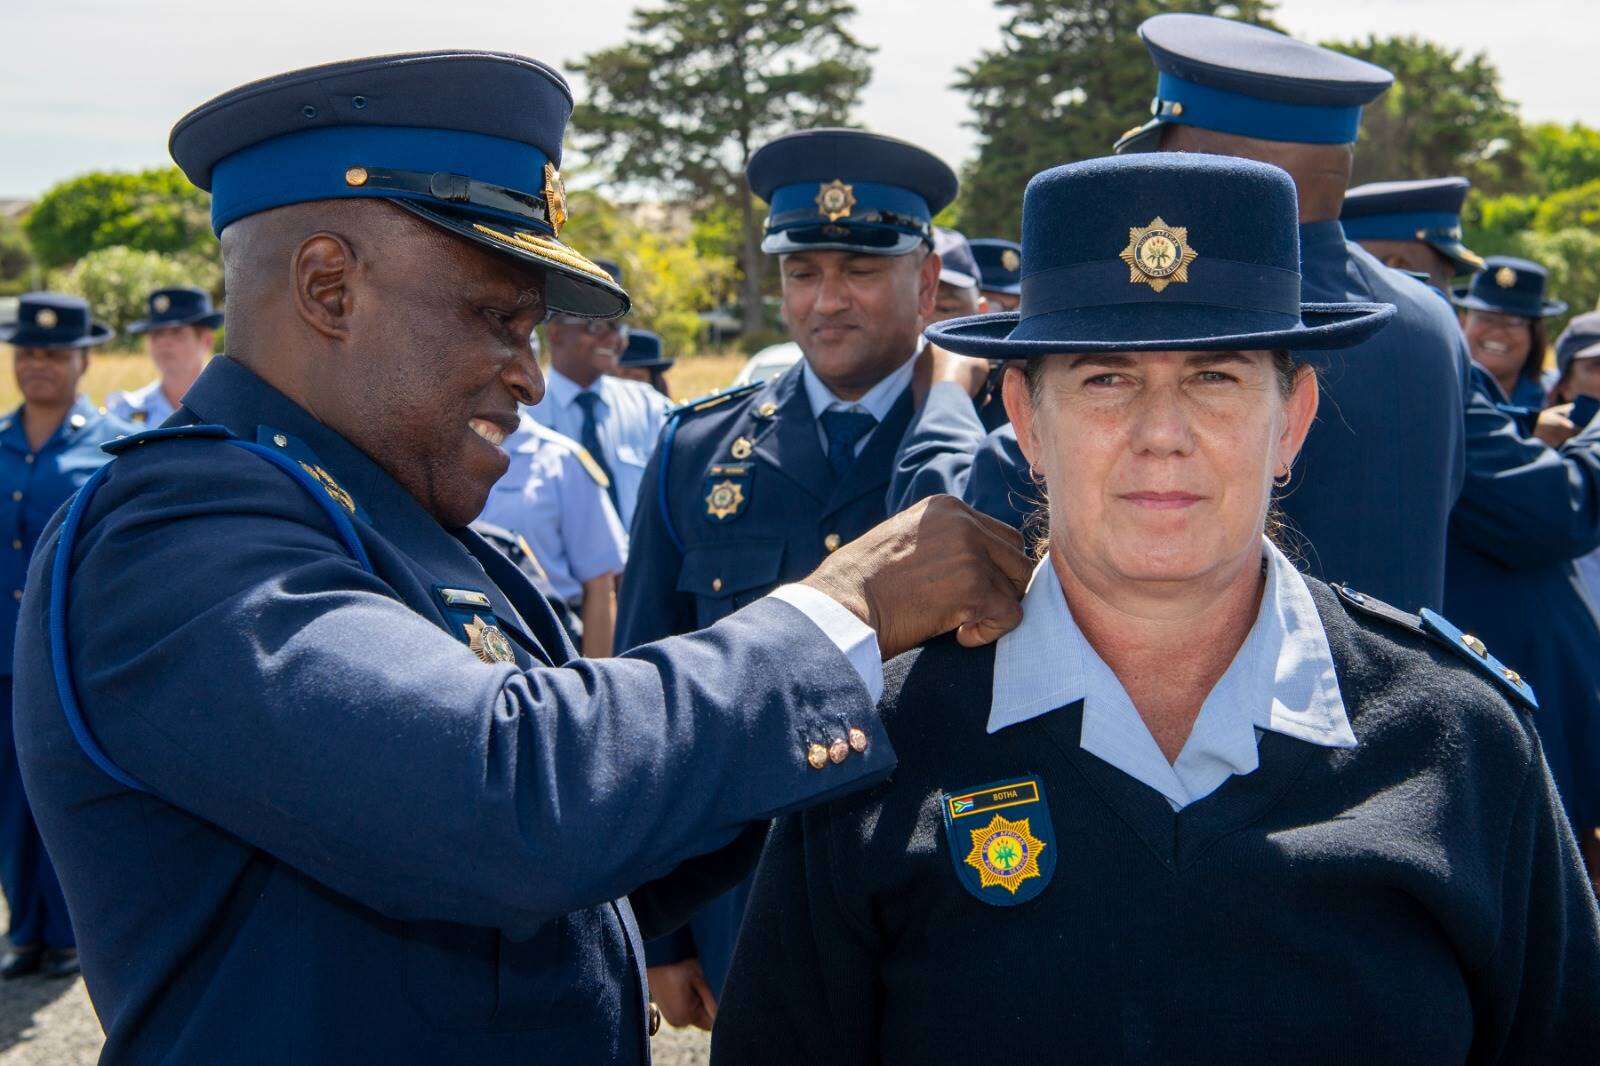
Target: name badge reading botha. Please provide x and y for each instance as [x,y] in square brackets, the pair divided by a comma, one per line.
[1002,844]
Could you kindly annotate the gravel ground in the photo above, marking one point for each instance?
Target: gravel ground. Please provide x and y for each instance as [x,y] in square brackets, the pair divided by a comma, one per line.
[50,1023]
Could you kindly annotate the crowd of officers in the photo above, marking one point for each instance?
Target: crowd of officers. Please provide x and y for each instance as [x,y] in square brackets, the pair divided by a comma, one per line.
[1454,464]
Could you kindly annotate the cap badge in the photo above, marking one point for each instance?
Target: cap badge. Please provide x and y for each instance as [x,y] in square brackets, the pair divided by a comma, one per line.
[1010,260]
[725,499]
[45,318]
[555,198]
[160,303]
[487,642]
[1505,277]
[835,200]
[1158,255]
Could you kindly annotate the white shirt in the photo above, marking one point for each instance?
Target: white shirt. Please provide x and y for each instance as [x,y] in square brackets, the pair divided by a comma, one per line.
[877,402]
[1282,679]
[628,421]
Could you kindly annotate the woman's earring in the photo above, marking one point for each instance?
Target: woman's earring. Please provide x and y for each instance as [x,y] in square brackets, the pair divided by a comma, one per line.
[1282,480]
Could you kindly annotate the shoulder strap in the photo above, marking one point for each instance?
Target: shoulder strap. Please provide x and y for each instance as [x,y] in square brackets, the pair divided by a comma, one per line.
[60,569]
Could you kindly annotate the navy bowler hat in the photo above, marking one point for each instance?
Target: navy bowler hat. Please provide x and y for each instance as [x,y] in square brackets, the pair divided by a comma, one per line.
[1580,340]
[1233,77]
[1160,252]
[644,350]
[1510,286]
[999,263]
[469,141]
[956,264]
[54,320]
[178,307]
[848,190]
[1427,210]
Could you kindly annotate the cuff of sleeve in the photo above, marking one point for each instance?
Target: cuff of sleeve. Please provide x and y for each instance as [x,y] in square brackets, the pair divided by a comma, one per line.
[853,637]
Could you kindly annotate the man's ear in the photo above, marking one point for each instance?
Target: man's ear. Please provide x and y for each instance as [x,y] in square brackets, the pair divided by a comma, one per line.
[324,266]
[928,286]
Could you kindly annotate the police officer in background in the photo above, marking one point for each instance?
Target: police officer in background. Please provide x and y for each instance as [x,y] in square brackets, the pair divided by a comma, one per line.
[1000,267]
[48,447]
[1503,310]
[644,360]
[756,486]
[617,421]
[1413,226]
[319,771]
[180,332]
[959,291]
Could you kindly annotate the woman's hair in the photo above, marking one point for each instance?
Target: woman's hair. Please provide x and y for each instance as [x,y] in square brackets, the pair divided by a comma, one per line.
[1560,392]
[1533,365]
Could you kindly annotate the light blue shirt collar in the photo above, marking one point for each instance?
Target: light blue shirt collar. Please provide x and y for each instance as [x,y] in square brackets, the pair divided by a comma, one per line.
[878,400]
[563,390]
[1282,679]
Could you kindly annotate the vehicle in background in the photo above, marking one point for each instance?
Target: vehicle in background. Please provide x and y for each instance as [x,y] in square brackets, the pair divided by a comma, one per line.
[768,363]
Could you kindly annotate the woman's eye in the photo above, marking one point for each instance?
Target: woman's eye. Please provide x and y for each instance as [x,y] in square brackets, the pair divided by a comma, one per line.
[1099,380]
[1214,377]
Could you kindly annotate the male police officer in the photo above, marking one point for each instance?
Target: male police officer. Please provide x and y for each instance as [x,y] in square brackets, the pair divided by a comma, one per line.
[1413,226]
[180,329]
[753,488]
[1000,266]
[958,293]
[320,779]
[617,420]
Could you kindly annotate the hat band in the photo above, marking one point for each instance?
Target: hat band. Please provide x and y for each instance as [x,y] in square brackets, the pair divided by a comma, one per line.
[1183,101]
[1212,282]
[867,202]
[1404,226]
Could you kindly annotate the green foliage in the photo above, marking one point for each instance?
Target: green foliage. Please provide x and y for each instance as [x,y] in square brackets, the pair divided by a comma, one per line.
[17,266]
[1574,208]
[117,280]
[1573,258]
[1444,115]
[1493,225]
[700,84]
[151,210]
[1069,77]
[1561,157]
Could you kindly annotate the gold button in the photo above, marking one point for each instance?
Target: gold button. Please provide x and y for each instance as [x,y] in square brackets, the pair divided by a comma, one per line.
[16,495]
[858,740]
[1177,109]
[356,176]
[16,545]
[655,1019]
[741,448]
[767,410]
[716,584]
[1513,677]
[816,754]
[280,440]
[16,594]
[1478,647]
[832,542]
[838,751]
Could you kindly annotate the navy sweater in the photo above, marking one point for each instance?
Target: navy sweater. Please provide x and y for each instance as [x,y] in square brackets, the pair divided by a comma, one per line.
[1415,899]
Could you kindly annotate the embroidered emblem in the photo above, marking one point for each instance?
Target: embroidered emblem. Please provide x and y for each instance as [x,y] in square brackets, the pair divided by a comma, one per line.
[160,303]
[330,486]
[1158,255]
[725,499]
[1010,260]
[741,448]
[835,200]
[45,318]
[1505,277]
[555,198]
[1002,843]
[487,642]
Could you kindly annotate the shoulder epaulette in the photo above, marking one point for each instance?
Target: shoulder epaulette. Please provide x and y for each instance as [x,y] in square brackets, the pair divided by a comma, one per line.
[202,429]
[594,469]
[1443,632]
[715,399]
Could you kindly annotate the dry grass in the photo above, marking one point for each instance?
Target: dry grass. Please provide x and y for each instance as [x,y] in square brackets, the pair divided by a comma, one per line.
[115,371]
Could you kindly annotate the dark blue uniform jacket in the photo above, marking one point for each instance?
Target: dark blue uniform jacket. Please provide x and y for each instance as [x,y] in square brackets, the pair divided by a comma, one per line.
[1371,492]
[696,555]
[360,842]
[1526,512]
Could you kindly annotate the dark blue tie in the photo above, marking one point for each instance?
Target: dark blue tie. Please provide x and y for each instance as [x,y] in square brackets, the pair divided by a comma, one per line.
[589,437]
[844,430]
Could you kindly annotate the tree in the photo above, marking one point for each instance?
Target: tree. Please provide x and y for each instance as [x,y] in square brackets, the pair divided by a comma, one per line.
[1069,77]
[18,271]
[151,210]
[1444,116]
[1572,256]
[117,280]
[1561,157]
[701,84]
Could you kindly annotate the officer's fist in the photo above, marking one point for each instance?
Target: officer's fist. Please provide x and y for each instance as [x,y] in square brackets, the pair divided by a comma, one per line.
[935,567]
[681,991]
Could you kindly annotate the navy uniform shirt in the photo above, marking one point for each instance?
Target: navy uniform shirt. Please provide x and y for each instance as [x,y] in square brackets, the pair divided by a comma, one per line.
[357,840]
[33,484]
[1526,513]
[742,500]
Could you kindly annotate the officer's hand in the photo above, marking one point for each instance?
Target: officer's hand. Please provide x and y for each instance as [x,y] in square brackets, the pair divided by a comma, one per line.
[935,365]
[935,567]
[681,991]
[1555,426]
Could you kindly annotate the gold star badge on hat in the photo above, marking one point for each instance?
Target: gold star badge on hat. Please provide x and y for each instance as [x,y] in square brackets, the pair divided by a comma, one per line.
[1158,255]
[45,318]
[835,200]
[1505,277]
[555,198]
[160,304]
[1010,260]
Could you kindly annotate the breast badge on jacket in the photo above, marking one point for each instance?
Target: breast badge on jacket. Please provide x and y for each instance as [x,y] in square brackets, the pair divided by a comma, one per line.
[1002,843]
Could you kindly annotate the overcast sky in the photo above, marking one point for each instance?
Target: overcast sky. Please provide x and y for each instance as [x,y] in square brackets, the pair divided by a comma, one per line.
[97,84]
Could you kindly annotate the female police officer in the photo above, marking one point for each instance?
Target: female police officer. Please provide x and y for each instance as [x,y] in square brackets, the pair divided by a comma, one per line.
[1197,807]
[48,447]
[1504,311]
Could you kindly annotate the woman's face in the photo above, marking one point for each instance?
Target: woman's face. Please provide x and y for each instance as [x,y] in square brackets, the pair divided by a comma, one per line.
[48,377]
[1499,342]
[1583,379]
[1158,466]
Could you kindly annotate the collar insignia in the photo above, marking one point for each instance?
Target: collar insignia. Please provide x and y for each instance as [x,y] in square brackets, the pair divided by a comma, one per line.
[1505,277]
[1158,255]
[330,486]
[835,200]
[555,198]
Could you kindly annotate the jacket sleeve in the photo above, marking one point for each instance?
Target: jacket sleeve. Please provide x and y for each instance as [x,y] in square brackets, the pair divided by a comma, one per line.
[280,692]
[1001,485]
[1523,503]
[1544,977]
[649,605]
[804,987]
[936,452]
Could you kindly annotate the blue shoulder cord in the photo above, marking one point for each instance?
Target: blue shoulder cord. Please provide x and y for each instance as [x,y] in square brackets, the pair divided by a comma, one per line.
[60,660]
